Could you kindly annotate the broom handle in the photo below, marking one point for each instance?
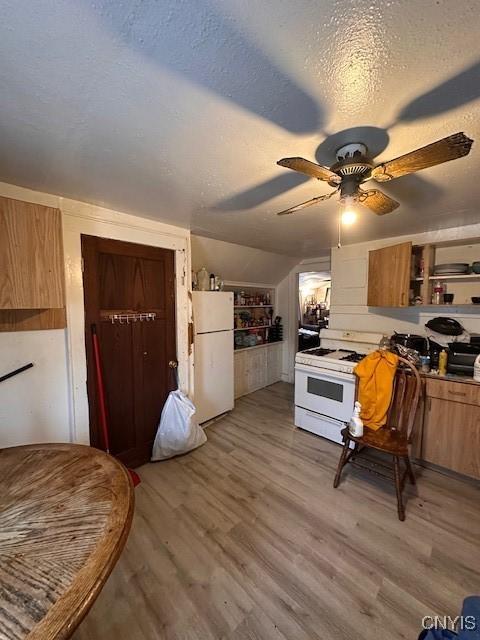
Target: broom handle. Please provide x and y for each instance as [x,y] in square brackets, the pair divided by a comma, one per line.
[100,388]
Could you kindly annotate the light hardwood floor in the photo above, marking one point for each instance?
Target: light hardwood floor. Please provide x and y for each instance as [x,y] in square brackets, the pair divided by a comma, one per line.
[245,538]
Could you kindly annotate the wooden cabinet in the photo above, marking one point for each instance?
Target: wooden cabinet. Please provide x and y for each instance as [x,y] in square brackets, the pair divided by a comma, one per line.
[274,363]
[454,391]
[451,426]
[31,266]
[389,276]
[257,367]
[404,274]
[240,386]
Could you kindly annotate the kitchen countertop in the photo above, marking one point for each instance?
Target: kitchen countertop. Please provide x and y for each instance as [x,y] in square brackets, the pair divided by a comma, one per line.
[450,377]
[257,346]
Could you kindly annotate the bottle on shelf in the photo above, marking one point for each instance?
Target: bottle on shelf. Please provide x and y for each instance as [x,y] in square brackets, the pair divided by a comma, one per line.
[212,282]
[203,281]
[421,271]
[438,291]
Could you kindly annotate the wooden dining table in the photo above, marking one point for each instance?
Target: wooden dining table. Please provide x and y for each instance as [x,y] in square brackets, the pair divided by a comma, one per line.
[65,515]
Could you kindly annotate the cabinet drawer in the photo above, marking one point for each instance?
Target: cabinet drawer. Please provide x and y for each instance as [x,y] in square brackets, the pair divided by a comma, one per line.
[453,391]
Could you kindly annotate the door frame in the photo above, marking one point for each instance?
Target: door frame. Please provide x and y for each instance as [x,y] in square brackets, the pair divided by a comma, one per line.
[290,308]
[104,223]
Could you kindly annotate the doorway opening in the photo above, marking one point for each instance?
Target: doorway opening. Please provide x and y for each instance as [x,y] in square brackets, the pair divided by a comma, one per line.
[313,310]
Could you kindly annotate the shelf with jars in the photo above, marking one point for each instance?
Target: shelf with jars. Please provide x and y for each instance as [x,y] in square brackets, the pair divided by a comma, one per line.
[258,337]
[255,321]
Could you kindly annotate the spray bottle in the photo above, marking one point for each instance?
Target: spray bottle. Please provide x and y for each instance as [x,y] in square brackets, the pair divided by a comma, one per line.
[476,369]
[356,425]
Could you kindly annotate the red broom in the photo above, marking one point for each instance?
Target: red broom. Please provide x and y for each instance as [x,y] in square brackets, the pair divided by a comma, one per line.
[101,401]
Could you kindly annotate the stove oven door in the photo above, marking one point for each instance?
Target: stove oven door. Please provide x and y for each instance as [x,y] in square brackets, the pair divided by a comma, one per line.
[330,393]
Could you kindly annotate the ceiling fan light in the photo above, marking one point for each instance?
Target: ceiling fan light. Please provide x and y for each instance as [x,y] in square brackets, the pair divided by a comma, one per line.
[349,216]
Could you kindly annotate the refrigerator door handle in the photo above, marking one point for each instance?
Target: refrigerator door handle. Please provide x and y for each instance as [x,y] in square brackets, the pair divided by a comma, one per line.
[206,333]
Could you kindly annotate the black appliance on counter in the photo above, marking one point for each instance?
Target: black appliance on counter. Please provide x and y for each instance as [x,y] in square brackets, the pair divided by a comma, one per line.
[422,345]
[445,326]
[461,357]
[411,341]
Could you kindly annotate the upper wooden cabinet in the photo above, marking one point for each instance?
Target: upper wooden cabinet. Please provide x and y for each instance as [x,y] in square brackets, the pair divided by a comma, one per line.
[31,256]
[389,276]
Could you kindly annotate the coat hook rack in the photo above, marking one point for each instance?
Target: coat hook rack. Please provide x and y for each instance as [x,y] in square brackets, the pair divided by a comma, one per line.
[126,318]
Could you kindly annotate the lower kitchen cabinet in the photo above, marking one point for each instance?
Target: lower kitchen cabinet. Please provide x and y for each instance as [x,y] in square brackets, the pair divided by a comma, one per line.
[257,367]
[451,427]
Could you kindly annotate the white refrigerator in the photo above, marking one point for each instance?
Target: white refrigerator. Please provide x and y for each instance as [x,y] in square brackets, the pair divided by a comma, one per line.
[213,359]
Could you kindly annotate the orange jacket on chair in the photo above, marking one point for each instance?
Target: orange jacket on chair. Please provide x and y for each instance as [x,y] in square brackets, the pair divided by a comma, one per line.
[376,373]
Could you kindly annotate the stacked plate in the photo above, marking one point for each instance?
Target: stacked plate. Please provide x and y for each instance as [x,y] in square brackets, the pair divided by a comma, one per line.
[451,269]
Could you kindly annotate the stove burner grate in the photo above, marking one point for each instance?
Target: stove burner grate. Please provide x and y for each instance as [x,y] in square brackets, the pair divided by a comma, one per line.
[318,351]
[353,357]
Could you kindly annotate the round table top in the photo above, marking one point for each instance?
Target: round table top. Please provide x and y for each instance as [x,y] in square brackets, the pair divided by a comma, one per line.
[65,514]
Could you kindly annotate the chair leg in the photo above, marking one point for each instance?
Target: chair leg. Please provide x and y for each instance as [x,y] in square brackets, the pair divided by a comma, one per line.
[398,487]
[411,475]
[341,462]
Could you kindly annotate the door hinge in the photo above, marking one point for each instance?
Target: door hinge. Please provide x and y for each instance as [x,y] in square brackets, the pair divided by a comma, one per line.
[82,264]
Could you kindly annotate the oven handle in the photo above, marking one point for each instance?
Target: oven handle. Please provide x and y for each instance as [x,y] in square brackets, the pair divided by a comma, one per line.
[326,373]
[321,416]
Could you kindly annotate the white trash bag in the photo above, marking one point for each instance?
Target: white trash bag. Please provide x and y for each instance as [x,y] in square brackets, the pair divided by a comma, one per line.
[178,431]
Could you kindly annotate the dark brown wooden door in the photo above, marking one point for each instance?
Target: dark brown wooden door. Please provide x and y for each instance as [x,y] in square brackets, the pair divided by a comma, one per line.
[120,278]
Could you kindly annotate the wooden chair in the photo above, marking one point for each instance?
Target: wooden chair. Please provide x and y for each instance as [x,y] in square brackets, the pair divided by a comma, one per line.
[394,438]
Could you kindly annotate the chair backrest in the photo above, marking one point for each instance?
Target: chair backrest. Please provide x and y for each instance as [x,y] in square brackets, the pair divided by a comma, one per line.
[407,387]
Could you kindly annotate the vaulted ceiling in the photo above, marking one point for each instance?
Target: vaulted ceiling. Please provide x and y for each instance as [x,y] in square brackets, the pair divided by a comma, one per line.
[179,109]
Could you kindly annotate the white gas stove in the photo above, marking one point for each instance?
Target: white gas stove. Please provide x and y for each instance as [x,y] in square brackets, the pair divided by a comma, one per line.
[325,383]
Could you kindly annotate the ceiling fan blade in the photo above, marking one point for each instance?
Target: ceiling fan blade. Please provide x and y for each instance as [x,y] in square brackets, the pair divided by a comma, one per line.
[377,201]
[311,169]
[306,204]
[449,148]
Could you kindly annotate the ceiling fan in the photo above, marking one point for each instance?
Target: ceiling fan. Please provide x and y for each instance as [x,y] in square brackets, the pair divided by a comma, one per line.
[354,167]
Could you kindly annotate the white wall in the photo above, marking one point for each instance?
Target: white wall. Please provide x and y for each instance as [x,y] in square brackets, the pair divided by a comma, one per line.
[287,294]
[49,402]
[237,263]
[349,288]
[34,406]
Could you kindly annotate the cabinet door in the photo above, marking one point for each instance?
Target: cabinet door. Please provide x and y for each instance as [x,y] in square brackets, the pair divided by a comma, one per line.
[256,365]
[451,436]
[240,374]
[31,256]
[274,363]
[389,276]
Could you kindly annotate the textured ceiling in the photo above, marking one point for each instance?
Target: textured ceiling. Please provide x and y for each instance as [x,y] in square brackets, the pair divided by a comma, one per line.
[179,109]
